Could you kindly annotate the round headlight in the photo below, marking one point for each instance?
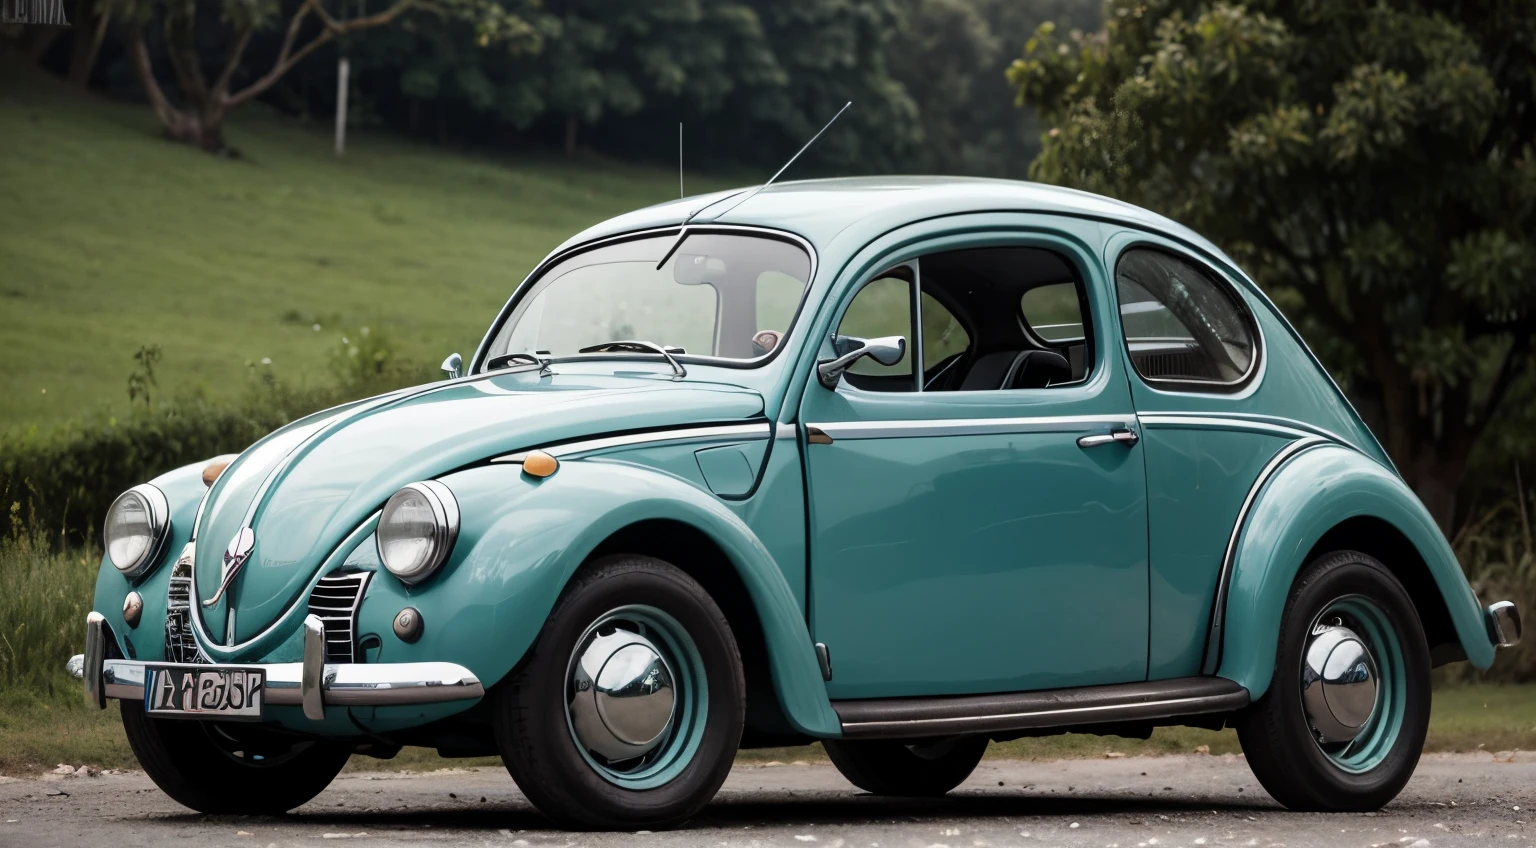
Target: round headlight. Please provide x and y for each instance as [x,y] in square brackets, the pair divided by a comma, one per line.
[138,523]
[417,529]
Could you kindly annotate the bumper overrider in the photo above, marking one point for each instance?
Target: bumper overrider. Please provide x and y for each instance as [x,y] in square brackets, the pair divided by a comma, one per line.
[1503,624]
[313,683]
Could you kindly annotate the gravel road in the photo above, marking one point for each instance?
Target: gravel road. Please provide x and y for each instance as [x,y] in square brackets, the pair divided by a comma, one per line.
[1162,802]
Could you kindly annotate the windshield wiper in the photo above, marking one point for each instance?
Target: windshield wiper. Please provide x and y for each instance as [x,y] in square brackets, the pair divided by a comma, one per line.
[521,361]
[635,346]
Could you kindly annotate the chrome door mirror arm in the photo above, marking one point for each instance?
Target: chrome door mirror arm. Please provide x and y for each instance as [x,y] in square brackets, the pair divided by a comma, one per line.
[886,350]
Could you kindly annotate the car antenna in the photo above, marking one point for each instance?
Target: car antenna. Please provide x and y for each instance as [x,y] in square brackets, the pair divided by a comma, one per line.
[680,193]
[753,192]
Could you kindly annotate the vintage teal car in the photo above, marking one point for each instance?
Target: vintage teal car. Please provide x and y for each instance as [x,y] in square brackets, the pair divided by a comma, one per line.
[903,465]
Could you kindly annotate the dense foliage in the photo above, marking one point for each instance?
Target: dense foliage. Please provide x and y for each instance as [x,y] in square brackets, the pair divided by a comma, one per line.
[1370,163]
[750,79]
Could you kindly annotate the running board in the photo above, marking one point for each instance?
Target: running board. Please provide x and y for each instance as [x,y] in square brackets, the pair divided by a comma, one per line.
[910,718]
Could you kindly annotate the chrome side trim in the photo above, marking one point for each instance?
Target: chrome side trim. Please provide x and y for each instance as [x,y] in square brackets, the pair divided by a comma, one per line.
[1213,637]
[1242,421]
[976,426]
[906,718]
[785,431]
[343,684]
[723,433]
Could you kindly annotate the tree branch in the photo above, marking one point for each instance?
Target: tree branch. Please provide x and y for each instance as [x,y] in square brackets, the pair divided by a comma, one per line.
[287,58]
[138,52]
[1509,369]
[231,62]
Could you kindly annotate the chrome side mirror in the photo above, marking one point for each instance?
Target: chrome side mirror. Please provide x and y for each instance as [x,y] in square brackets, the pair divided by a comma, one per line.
[453,366]
[887,350]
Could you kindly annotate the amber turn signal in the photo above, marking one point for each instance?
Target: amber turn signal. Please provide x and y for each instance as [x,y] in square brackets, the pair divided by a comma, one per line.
[540,464]
[212,470]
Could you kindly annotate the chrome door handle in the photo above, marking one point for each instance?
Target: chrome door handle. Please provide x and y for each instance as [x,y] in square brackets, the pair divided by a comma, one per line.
[1120,436]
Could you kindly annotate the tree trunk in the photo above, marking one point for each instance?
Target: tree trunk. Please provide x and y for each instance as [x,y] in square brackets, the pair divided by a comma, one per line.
[91,21]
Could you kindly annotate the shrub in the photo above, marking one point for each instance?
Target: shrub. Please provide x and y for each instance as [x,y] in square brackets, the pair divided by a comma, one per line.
[66,476]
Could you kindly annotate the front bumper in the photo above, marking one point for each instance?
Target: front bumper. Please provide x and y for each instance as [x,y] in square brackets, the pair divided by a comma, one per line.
[1503,624]
[312,684]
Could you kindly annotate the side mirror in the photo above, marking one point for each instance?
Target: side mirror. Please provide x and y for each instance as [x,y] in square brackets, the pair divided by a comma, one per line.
[453,366]
[887,350]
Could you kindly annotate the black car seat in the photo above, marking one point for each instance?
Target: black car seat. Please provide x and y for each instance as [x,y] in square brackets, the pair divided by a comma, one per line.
[1017,369]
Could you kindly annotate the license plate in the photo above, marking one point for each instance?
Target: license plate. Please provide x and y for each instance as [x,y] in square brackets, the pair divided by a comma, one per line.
[204,691]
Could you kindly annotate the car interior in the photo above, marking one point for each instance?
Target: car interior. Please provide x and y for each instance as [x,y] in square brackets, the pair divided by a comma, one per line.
[992,318]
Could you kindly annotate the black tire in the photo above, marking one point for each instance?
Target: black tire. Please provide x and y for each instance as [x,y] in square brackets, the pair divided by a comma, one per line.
[894,767]
[196,763]
[536,739]
[1278,737]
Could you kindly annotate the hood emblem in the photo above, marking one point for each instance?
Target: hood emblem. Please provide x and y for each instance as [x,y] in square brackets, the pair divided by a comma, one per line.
[235,557]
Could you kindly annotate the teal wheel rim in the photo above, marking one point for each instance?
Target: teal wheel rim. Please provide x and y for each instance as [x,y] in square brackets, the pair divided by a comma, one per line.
[684,730]
[1377,737]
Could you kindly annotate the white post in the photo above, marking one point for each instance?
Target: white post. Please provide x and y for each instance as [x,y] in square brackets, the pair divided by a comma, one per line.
[342,69]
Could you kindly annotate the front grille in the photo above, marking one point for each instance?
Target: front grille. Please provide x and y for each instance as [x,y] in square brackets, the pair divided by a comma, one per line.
[180,647]
[335,601]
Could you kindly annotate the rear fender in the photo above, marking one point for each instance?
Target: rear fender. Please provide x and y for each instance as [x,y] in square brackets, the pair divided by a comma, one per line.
[1309,495]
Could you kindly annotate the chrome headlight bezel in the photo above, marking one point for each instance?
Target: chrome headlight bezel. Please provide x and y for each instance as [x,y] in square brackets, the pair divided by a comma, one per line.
[157,510]
[445,516]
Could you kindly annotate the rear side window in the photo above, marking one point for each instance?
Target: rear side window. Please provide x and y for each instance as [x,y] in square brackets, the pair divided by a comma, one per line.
[1181,326]
[1053,312]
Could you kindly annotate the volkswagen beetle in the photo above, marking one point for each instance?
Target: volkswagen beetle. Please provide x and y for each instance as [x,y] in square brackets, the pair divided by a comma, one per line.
[903,465]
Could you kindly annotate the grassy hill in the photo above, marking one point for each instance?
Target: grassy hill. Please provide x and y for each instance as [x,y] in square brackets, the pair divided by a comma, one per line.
[111,238]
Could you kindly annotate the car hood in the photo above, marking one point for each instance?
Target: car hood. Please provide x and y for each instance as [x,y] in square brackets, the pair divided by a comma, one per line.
[303,488]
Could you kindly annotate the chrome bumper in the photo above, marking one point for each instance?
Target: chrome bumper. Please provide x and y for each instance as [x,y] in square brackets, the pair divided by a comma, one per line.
[1504,624]
[312,684]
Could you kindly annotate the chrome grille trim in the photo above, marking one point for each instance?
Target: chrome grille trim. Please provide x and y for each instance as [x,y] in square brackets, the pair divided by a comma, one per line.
[335,600]
[180,646]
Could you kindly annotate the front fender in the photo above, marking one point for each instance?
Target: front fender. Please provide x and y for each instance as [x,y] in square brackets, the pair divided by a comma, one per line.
[522,538]
[1308,496]
[184,490]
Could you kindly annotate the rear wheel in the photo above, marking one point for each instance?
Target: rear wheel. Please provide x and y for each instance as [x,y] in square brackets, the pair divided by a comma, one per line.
[230,769]
[1343,722]
[893,767]
[628,711]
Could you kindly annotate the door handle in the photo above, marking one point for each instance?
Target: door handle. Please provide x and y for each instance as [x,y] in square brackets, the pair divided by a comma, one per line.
[1120,436]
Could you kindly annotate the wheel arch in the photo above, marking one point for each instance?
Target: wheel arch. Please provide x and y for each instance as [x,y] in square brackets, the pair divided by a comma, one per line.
[528,538]
[1330,498]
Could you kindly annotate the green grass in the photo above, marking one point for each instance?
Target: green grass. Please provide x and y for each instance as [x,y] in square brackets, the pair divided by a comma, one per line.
[112,238]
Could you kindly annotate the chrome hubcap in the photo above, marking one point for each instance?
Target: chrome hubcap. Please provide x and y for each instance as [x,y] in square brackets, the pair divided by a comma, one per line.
[1338,682]
[622,701]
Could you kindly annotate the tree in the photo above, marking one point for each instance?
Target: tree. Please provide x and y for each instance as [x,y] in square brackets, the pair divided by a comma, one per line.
[198,119]
[1370,163]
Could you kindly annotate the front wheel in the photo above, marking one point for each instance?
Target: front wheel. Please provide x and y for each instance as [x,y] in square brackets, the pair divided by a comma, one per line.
[1343,722]
[629,708]
[886,767]
[230,769]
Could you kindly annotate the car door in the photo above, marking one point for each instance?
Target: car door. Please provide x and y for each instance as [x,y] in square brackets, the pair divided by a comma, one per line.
[981,538]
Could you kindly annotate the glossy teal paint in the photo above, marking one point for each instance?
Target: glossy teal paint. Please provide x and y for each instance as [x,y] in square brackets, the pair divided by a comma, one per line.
[357,459]
[944,564]
[183,488]
[522,539]
[1196,482]
[1308,496]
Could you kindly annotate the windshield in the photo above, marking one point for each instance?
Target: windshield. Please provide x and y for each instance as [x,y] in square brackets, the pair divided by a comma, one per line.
[726,295]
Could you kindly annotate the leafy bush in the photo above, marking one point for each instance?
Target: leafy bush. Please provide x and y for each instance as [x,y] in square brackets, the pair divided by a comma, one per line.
[64,478]
[1498,553]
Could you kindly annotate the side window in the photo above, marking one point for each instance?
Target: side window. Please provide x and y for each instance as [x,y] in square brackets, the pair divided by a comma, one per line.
[1180,325]
[882,308]
[943,336]
[1053,312]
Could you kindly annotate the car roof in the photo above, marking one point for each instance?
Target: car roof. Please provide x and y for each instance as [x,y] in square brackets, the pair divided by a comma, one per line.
[822,210]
